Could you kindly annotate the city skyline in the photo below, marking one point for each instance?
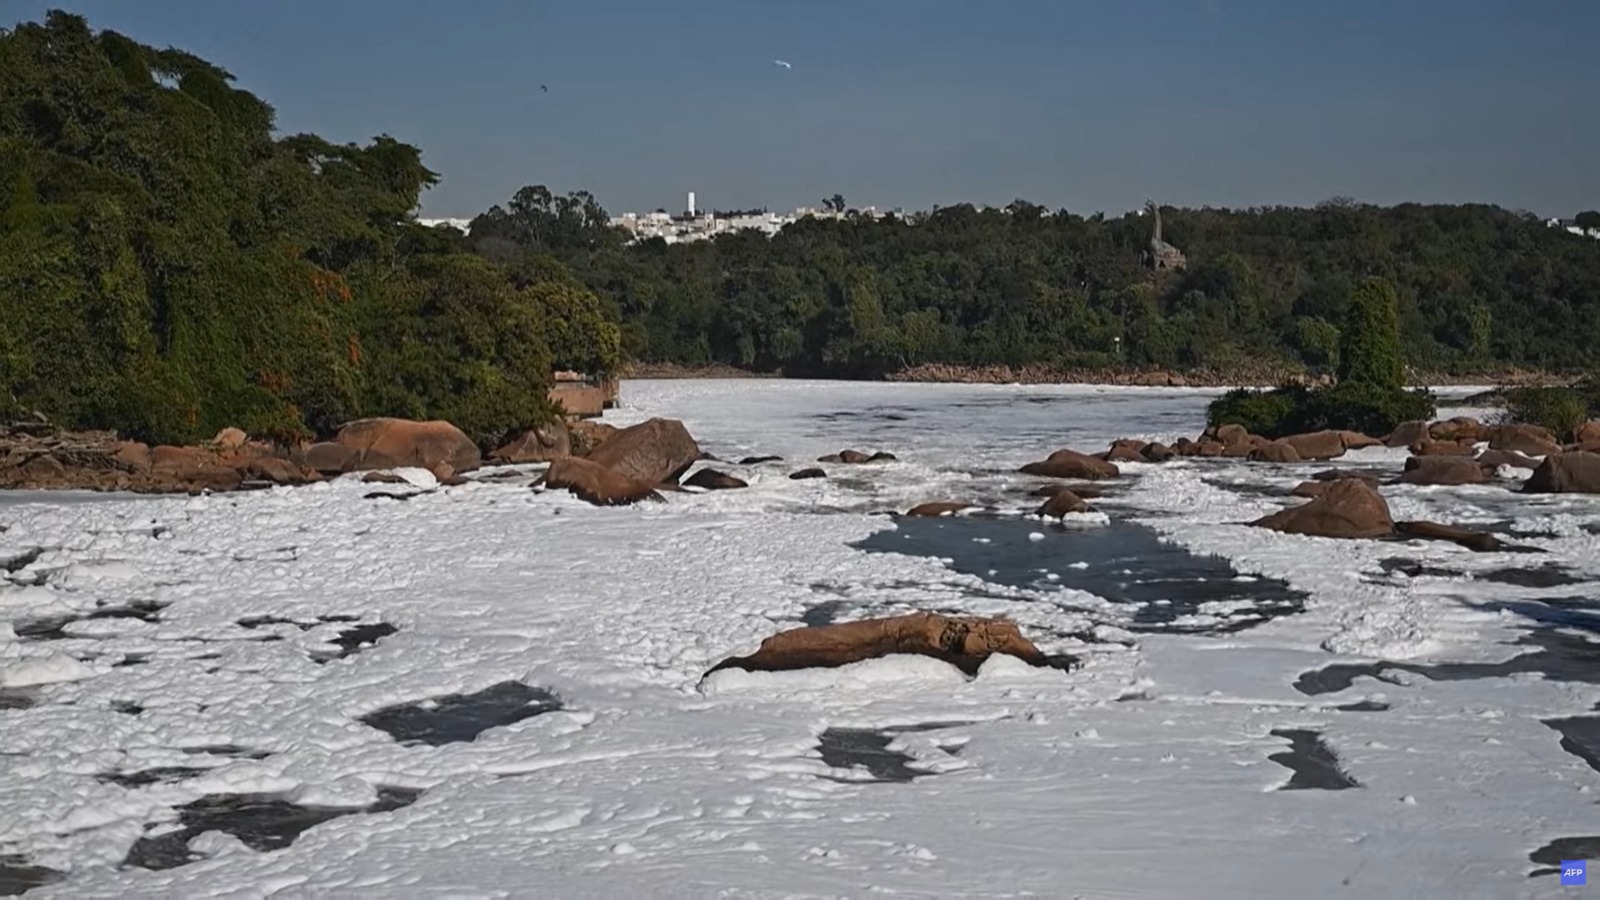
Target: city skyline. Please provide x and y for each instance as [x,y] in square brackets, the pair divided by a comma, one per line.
[1087,107]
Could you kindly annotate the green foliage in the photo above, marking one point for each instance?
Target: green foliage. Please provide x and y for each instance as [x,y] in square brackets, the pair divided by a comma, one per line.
[1587,219]
[1258,412]
[168,267]
[1317,341]
[1561,409]
[1349,406]
[1369,343]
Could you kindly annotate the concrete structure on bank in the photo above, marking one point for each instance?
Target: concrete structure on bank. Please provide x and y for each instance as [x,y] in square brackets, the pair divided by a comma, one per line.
[583,396]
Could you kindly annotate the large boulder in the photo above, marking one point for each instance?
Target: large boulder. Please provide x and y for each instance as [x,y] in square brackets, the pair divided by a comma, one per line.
[712,480]
[1577,472]
[594,483]
[192,469]
[1588,433]
[1528,439]
[1407,434]
[1348,508]
[393,443]
[654,451]
[1061,504]
[1460,428]
[230,439]
[1442,470]
[1072,464]
[1317,444]
[1232,434]
[1431,447]
[1494,459]
[587,434]
[329,458]
[963,642]
[1277,452]
[1157,452]
[1123,453]
[536,445]
[1355,440]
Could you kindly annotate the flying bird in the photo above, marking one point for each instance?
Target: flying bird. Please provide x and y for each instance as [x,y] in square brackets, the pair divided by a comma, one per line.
[544,88]
[779,62]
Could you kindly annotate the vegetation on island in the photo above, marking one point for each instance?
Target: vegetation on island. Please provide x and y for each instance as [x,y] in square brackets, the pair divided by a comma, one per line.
[170,265]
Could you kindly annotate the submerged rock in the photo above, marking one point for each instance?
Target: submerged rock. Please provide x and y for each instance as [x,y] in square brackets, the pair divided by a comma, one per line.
[805,474]
[1060,504]
[1577,472]
[963,642]
[712,480]
[936,509]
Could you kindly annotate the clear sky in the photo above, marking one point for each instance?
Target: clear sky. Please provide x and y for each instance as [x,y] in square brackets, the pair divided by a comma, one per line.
[1087,104]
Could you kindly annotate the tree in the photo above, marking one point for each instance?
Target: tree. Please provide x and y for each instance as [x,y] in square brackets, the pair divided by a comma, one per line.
[1587,219]
[1369,343]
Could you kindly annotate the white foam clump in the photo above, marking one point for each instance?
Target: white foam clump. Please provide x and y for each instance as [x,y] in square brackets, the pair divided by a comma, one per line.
[894,669]
[53,669]
[1091,519]
[349,792]
[416,477]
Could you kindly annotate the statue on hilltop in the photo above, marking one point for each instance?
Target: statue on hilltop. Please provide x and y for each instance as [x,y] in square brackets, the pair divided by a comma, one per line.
[1161,254]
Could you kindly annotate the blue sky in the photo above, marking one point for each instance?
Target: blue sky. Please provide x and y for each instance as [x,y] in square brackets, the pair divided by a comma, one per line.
[1086,105]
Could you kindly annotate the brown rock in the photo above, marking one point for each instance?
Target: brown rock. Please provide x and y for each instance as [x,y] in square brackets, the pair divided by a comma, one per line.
[586,435]
[962,642]
[1588,433]
[852,457]
[329,458]
[1157,452]
[805,474]
[543,444]
[382,478]
[1310,488]
[191,469]
[1407,434]
[1355,440]
[593,483]
[1120,453]
[712,480]
[1086,491]
[1232,434]
[277,470]
[1277,452]
[1347,509]
[654,451]
[1577,472]
[1494,459]
[1210,449]
[1060,504]
[882,456]
[392,443]
[1460,428]
[936,509]
[1317,444]
[1431,447]
[1240,450]
[1072,464]
[133,455]
[43,472]
[230,439]
[1432,531]
[1442,470]
[1529,439]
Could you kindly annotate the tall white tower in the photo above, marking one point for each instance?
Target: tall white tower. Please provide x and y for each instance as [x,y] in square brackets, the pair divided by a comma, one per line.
[691,203]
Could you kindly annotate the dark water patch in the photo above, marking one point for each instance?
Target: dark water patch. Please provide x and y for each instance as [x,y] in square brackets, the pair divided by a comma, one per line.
[1252,489]
[1315,765]
[387,495]
[49,628]
[231,750]
[17,877]
[866,748]
[143,610]
[254,622]
[1553,853]
[1559,657]
[1546,576]
[462,717]
[126,707]
[263,822]
[158,775]
[1411,568]
[351,641]
[1125,563]
[16,562]
[131,659]
[823,613]
[1555,612]
[11,698]
[1580,736]
[1364,706]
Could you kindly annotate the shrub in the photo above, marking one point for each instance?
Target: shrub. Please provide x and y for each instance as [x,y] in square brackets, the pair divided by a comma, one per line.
[1560,409]
[1369,343]
[1259,412]
[1297,410]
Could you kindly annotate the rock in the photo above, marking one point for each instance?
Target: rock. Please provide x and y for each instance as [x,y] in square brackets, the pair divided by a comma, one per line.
[1241,450]
[805,474]
[1277,452]
[1442,470]
[1232,434]
[1060,504]
[712,480]
[1494,459]
[1588,433]
[43,472]
[1355,440]
[1211,449]
[852,457]
[1407,434]
[1121,453]
[1072,464]
[881,456]
[1431,447]
[278,471]
[757,460]
[1086,491]
[1348,508]
[385,443]
[1460,428]
[133,455]
[1577,472]
[1369,476]
[1480,541]
[192,469]
[382,478]
[586,435]
[936,509]
[963,642]
[329,458]
[1528,439]
[230,439]
[1310,489]
[536,445]
[1317,444]
[1157,452]
[652,452]
[594,483]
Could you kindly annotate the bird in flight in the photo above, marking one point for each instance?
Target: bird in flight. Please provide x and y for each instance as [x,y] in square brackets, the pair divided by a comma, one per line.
[544,88]
[779,62]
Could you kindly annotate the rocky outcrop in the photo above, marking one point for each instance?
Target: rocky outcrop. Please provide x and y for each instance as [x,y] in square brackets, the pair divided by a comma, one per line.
[1060,504]
[655,451]
[962,642]
[537,445]
[1577,472]
[1316,445]
[1072,464]
[1348,508]
[936,509]
[596,484]
[99,461]
[1531,440]
[1276,452]
[1442,470]
[712,480]
[385,443]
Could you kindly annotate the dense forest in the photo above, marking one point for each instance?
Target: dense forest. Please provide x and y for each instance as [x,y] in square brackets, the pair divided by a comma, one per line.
[170,265]
[1479,288]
